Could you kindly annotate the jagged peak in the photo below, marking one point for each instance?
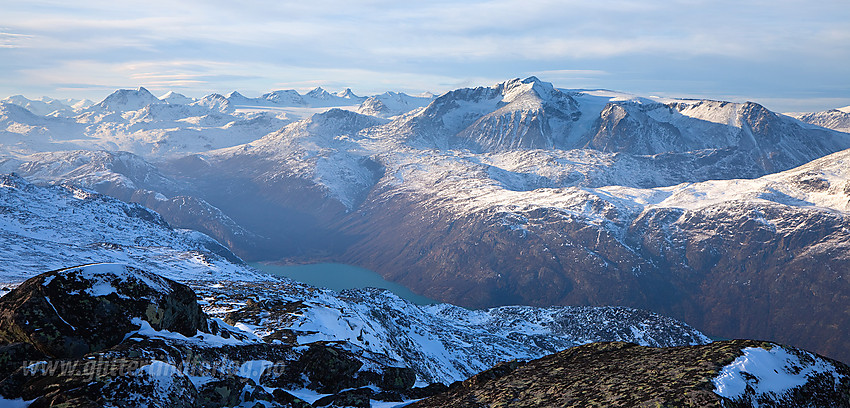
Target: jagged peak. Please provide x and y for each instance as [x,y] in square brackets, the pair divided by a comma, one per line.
[215,101]
[336,114]
[318,92]
[347,93]
[283,96]
[128,99]
[515,87]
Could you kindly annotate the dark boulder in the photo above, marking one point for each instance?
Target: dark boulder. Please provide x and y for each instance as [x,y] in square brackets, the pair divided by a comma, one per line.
[327,370]
[359,397]
[71,312]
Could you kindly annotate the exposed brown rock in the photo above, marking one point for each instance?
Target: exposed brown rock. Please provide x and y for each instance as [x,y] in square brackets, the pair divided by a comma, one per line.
[624,375]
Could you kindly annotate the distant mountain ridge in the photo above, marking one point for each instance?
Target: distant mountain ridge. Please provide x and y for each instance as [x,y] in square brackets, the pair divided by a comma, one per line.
[835,119]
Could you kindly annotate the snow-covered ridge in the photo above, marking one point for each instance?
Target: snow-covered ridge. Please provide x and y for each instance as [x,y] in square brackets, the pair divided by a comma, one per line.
[835,119]
[48,106]
[47,228]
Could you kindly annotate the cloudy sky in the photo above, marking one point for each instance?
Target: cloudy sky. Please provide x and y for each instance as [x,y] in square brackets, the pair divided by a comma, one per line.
[787,55]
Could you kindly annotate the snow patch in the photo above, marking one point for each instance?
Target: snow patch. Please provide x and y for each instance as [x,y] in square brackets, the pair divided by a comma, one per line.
[774,371]
[201,339]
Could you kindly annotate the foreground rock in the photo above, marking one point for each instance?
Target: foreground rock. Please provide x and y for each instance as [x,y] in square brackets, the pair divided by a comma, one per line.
[738,373]
[113,335]
[76,311]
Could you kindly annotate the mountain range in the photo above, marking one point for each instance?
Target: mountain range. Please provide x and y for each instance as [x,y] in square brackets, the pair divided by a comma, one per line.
[725,215]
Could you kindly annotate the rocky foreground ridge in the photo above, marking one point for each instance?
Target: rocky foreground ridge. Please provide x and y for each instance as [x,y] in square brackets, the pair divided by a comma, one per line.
[735,373]
[113,335]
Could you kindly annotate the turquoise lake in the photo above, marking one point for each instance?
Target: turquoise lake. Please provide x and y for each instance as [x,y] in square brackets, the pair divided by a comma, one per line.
[338,277]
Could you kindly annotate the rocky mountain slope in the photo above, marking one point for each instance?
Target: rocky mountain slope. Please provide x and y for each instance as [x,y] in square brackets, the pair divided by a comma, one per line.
[43,228]
[709,253]
[738,373]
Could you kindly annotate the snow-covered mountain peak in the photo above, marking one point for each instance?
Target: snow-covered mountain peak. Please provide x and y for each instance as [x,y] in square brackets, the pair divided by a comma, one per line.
[215,102]
[835,119]
[287,97]
[329,125]
[15,113]
[516,88]
[319,93]
[347,94]
[514,114]
[124,100]
[390,104]
[175,98]
[44,106]
[235,95]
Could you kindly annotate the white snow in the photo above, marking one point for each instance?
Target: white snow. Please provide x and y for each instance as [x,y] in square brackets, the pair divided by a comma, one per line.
[202,339]
[104,276]
[57,313]
[162,371]
[773,371]
[253,369]
[14,403]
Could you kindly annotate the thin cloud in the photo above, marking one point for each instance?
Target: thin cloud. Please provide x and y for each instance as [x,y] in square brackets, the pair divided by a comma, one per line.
[724,46]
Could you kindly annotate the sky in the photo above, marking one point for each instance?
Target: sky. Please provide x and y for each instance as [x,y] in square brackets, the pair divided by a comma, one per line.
[786,55]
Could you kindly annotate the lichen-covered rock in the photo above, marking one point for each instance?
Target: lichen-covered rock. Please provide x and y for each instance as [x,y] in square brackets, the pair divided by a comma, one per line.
[11,356]
[227,392]
[72,312]
[288,400]
[359,398]
[322,368]
[627,375]
[397,379]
